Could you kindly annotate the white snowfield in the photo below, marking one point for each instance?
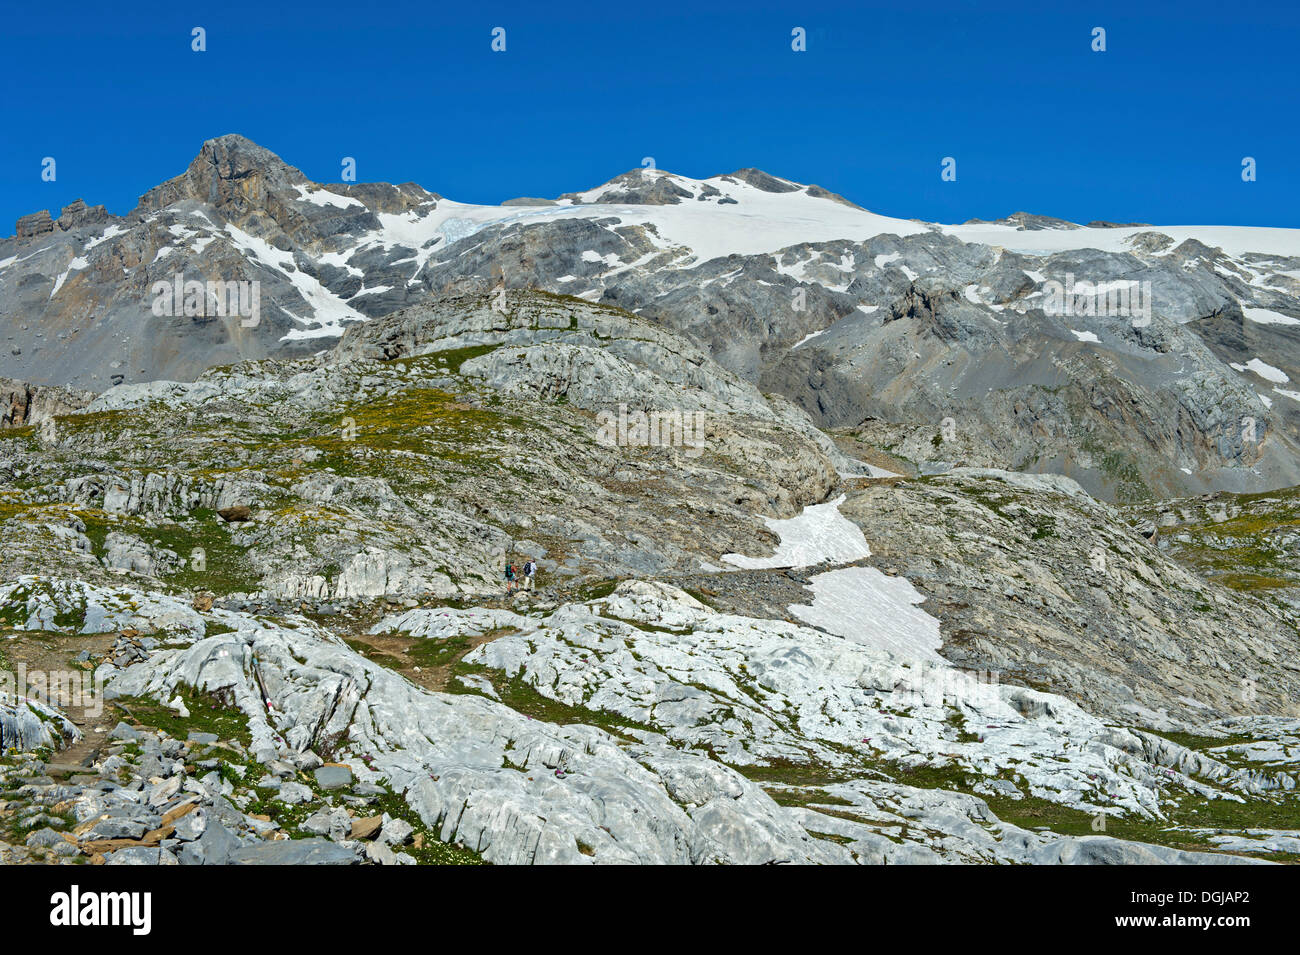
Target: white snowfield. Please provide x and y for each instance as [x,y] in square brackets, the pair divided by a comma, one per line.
[1266,316]
[1234,240]
[866,606]
[765,222]
[820,534]
[1264,370]
[861,604]
[323,197]
[760,222]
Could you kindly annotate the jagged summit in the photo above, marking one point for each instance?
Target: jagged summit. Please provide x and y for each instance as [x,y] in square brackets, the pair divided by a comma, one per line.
[658,187]
[761,180]
[1026,221]
[230,172]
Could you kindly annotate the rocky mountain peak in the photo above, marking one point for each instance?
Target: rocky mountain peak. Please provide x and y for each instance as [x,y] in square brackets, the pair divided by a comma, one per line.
[641,187]
[231,173]
[761,180]
[1027,222]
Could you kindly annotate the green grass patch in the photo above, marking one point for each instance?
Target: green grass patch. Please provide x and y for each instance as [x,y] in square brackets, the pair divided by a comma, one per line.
[789,773]
[525,699]
[208,714]
[449,360]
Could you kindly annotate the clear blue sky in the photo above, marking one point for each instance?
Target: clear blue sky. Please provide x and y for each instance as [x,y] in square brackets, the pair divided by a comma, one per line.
[1152,130]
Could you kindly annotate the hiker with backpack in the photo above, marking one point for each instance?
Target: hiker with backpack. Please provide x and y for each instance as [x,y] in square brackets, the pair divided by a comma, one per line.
[530,570]
[510,579]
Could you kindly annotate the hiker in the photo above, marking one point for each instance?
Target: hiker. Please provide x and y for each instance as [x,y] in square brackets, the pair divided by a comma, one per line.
[530,569]
[510,579]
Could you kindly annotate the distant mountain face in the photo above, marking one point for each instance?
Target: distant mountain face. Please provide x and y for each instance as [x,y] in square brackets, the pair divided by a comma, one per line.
[1141,360]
